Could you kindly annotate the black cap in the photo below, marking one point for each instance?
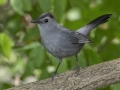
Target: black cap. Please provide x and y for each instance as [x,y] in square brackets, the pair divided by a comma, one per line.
[47,14]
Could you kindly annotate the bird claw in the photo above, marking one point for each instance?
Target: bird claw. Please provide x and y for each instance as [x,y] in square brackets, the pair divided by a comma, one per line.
[77,69]
[54,75]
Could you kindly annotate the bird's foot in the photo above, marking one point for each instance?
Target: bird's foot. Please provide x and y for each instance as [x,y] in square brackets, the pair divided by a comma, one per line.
[54,75]
[77,69]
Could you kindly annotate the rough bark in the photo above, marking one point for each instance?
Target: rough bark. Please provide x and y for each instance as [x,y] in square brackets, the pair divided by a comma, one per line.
[89,78]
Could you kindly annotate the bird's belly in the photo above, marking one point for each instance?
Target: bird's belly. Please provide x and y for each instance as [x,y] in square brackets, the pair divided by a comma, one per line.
[63,51]
[70,50]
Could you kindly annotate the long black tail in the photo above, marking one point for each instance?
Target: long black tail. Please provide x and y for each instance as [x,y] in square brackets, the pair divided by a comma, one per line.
[87,28]
[99,20]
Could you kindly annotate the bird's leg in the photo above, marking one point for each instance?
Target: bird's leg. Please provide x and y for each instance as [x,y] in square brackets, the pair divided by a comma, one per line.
[77,66]
[57,68]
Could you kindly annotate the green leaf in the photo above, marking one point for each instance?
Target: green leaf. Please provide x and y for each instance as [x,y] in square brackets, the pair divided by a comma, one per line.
[28,69]
[27,5]
[82,59]
[71,62]
[59,8]
[5,44]
[63,67]
[44,74]
[45,5]
[2,2]
[31,34]
[110,51]
[38,56]
[17,6]
[115,86]
[18,66]
[82,4]
[111,3]
[36,59]
[30,46]
[74,25]
[53,60]
[91,55]
[13,24]
[106,88]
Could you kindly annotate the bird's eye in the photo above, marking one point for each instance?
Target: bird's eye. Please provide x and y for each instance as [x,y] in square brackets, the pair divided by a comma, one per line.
[46,20]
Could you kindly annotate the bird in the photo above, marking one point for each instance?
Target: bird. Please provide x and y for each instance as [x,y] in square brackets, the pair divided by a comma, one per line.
[62,42]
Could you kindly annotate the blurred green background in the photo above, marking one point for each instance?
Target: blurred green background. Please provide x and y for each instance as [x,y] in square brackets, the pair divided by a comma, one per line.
[23,59]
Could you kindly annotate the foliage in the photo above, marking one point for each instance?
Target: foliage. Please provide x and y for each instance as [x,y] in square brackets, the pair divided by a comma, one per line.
[23,58]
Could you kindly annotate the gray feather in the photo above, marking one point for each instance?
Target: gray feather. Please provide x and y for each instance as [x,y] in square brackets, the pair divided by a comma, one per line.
[82,38]
[87,28]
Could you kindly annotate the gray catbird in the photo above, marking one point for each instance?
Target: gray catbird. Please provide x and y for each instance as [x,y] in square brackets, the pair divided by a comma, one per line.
[62,42]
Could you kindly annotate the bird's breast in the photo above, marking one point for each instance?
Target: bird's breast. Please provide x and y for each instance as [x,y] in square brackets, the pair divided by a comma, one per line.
[60,47]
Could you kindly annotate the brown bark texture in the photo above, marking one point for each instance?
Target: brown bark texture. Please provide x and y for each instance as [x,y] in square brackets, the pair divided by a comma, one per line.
[89,78]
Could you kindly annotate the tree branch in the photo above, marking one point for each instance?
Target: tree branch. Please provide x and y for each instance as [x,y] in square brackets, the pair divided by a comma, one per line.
[90,78]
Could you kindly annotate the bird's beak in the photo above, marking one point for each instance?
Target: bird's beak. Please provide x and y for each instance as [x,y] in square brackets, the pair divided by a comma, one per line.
[34,21]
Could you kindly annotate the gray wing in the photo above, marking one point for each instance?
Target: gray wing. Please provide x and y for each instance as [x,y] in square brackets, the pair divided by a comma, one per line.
[82,38]
[74,37]
[87,28]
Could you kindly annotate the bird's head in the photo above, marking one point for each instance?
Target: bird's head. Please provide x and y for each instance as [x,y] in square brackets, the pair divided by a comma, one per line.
[46,19]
